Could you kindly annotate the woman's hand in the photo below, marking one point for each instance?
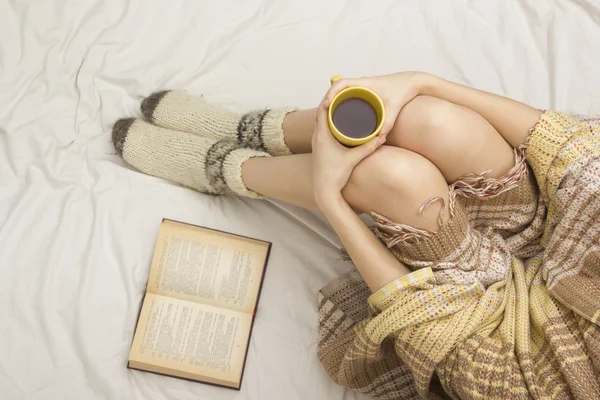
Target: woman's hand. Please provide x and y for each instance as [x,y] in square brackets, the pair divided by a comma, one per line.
[332,162]
[332,167]
[396,90]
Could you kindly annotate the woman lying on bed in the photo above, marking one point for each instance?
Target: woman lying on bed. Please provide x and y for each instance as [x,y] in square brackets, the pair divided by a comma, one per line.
[482,273]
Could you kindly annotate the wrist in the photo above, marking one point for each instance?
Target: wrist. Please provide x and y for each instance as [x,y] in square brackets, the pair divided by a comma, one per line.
[428,85]
[330,203]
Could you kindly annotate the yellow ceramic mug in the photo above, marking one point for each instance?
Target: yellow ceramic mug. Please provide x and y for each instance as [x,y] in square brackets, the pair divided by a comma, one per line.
[361,93]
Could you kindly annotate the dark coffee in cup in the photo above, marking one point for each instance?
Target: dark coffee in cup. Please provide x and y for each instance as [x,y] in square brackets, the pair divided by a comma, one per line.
[355,118]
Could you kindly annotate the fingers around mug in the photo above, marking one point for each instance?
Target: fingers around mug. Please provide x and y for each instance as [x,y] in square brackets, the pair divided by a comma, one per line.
[338,86]
[363,151]
[392,110]
[322,111]
[323,132]
[388,123]
[321,124]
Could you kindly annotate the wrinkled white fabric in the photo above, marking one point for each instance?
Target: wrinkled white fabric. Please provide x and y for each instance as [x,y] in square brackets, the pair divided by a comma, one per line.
[77,226]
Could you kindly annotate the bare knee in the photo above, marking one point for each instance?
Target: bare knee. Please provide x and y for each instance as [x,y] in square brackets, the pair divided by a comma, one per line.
[396,182]
[456,139]
[420,119]
[425,110]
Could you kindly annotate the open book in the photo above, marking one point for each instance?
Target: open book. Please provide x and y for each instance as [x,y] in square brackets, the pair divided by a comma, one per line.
[199,307]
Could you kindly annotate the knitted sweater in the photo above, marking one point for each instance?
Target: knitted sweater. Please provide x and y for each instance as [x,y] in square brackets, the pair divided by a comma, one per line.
[504,300]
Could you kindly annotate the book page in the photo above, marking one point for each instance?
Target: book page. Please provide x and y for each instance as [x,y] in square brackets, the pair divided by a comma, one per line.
[201,341]
[210,267]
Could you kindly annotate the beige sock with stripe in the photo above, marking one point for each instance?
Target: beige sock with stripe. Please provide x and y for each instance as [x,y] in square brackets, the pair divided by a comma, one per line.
[206,164]
[258,130]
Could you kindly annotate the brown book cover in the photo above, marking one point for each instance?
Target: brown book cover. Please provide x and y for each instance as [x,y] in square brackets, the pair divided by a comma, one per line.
[198,311]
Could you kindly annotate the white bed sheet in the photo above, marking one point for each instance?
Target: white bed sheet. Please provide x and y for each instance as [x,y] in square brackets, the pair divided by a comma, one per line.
[77,226]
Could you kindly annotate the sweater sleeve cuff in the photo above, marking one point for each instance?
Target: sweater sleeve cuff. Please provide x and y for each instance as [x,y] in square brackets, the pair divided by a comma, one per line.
[545,141]
[394,291]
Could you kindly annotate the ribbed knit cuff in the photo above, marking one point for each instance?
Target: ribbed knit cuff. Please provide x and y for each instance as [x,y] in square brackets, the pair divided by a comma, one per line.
[233,171]
[547,137]
[272,132]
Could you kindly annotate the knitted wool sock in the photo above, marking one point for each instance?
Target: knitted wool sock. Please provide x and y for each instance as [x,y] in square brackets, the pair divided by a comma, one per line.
[258,130]
[205,164]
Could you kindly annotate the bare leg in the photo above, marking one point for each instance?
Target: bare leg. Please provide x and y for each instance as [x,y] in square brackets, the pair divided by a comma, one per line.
[455,139]
[393,182]
[433,143]
[298,127]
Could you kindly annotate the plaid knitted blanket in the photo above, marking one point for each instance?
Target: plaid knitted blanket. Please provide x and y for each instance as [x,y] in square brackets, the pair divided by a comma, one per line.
[504,300]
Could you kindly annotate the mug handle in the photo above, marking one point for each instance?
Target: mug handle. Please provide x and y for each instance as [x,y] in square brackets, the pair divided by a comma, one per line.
[334,79]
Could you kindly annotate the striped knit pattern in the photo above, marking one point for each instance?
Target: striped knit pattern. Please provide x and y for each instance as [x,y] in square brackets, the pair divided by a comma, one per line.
[207,165]
[257,130]
[504,300]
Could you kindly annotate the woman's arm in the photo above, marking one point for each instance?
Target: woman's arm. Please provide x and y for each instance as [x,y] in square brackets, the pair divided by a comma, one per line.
[332,165]
[376,264]
[512,119]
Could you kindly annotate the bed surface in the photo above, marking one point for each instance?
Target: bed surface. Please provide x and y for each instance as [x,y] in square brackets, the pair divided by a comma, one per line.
[77,226]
